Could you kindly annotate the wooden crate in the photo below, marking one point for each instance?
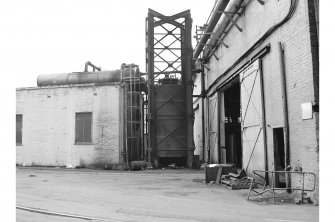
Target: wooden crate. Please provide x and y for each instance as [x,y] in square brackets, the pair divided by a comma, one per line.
[237,184]
[212,173]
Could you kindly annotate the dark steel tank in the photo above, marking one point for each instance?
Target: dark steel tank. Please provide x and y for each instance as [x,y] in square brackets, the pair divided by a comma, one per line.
[171,122]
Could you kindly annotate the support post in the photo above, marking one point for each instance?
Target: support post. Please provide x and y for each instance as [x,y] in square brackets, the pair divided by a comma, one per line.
[203,93]
[285,114]
[150,72]
[189,88]
[264,125]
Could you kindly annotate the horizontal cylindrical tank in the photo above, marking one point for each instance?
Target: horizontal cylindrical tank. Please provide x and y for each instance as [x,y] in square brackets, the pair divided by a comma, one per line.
[79,78]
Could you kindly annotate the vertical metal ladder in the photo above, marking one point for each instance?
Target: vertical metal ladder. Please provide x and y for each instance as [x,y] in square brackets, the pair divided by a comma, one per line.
[132,112]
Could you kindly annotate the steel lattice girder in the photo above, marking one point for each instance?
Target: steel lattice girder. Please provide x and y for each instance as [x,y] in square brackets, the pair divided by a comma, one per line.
[178,28]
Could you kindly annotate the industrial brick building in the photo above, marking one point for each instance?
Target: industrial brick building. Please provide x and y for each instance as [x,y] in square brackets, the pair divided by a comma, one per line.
[76,120]
[256,87]
[51,116]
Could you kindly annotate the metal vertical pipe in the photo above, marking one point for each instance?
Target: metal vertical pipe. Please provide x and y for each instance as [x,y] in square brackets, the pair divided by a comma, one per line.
[203,110]
[130,108]
[303,187]
[285,112]
[125,104]
[208,132]
[122,128]
[218,127]
[189,88]
[142,125]
[150,73]
[264,123]
[273,187]
[121,106]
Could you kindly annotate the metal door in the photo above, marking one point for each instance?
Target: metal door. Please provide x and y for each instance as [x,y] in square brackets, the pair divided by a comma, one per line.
[212,129]
[251,118]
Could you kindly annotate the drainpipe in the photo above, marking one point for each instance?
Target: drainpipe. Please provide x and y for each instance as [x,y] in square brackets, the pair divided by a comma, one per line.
[264,125]
[285,115]
[203,96]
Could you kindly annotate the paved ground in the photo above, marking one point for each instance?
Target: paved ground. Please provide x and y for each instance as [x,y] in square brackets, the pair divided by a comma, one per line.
[159,195]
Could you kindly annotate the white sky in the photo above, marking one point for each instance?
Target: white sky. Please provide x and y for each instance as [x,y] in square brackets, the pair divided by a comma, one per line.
[56,36]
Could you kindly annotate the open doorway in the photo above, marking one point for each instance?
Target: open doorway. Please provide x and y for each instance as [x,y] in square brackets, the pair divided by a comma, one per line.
[232,123]
[279,156]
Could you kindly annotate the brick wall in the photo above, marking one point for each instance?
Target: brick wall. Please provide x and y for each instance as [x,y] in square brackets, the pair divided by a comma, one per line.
[301,86]
[49,125]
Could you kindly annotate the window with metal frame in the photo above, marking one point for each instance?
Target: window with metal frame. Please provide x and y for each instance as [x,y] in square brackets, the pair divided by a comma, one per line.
[83,128]
[19,129]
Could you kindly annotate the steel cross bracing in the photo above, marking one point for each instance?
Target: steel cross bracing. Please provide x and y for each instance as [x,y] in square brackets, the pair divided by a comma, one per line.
[167,47]
[169,55]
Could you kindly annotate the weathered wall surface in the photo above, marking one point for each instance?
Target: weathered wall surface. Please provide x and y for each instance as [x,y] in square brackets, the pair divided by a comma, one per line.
[197,107]
[48,134]
[295,35]
[197,129]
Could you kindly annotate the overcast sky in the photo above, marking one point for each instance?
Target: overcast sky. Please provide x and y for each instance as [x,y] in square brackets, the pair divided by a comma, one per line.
[56,36]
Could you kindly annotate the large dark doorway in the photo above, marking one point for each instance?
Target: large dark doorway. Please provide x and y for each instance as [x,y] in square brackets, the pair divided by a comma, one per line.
[232,121]
[279,156]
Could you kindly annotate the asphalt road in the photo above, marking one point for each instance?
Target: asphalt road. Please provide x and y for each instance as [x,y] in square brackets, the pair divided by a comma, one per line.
[158,195]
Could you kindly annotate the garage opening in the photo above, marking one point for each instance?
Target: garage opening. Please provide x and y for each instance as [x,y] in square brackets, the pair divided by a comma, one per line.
[232,123]
[241,137]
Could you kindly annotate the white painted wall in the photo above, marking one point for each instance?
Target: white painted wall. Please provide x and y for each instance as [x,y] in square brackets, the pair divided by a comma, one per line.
[48,131]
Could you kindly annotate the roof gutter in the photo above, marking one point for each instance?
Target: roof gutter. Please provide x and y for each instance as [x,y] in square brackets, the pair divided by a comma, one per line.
[220,6]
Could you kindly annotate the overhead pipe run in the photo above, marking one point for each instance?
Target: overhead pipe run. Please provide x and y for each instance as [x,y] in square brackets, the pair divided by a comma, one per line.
[218,35]
[95,77]
[88,63]
[293,6]
[224,8]
[227,18]
[220,6]
[78,78]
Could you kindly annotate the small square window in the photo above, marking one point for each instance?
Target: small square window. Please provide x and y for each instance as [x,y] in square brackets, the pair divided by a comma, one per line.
[83,128]
[19,129]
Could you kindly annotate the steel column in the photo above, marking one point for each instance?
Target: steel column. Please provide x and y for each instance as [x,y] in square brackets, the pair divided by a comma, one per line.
[189,87]
[285,113]
[150,81]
